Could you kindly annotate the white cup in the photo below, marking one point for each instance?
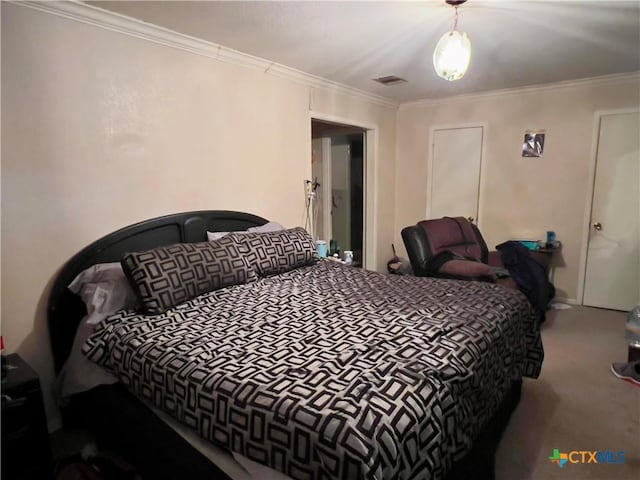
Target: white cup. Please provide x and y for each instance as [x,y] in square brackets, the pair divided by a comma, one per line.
[348,256]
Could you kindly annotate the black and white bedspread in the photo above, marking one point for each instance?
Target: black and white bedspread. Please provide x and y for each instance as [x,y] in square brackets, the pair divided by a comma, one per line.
[330,372]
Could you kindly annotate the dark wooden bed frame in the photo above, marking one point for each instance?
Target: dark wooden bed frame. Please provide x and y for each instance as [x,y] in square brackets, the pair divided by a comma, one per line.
[122,423]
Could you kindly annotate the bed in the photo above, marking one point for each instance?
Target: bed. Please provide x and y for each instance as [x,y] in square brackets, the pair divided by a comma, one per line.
[322,371]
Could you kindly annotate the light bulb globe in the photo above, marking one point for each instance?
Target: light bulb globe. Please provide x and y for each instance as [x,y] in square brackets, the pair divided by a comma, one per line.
[452,55]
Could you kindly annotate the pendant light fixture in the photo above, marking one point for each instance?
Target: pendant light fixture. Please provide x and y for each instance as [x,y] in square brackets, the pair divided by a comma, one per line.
[453,52]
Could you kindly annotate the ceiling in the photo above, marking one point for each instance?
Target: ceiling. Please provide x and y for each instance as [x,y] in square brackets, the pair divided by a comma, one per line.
[514,42]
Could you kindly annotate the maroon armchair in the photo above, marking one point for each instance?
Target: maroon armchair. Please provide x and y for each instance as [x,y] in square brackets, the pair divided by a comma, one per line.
[452,247]
[431,244]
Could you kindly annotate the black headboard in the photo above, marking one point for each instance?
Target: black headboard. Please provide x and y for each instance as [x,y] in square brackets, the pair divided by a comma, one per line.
[65,309]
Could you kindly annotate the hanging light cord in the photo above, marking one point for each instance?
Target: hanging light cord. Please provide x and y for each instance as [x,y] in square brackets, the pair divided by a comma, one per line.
[311,207]
[455,21]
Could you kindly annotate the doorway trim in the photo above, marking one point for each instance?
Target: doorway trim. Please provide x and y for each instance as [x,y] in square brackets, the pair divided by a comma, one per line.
[591,180]
[370,227]
[326,180]
[482,177]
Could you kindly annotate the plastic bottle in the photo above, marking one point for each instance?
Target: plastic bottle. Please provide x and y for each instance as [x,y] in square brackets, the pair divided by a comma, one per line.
[633,327]
[633,333]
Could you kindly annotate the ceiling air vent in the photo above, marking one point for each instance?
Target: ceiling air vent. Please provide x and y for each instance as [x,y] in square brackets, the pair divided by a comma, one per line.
[389,80]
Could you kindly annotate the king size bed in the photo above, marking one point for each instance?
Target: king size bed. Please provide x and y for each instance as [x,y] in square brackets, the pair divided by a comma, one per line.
[300,365]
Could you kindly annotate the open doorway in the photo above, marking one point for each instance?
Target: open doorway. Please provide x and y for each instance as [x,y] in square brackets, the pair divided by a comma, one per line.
[338,165]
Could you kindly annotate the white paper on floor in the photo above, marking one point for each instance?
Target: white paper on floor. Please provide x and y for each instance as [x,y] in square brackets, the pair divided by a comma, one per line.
[559,306]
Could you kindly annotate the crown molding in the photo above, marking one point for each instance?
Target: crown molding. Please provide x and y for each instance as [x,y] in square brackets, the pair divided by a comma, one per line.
[592,81]
[88,14]
[116,22]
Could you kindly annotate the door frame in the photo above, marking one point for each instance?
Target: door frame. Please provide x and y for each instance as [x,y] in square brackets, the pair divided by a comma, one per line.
[370,181]
[327,221]
[591,181]
[481,179]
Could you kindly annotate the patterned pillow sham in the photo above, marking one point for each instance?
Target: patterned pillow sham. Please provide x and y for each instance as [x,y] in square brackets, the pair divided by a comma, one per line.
[278,252]
[167,276]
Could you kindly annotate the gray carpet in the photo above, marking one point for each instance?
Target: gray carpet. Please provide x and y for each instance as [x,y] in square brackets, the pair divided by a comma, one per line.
[576,404]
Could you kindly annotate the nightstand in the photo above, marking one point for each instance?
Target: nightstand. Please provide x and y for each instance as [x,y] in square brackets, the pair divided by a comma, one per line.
[26,452]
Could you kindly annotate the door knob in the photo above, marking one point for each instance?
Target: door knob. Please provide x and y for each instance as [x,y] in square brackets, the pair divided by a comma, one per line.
[471,219]
[597,226]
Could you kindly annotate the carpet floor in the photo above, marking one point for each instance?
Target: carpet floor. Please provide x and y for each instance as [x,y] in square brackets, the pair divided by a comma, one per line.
[576,404]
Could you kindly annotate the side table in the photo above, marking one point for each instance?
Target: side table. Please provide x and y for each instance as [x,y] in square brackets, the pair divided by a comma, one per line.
[26,451]
[544,256]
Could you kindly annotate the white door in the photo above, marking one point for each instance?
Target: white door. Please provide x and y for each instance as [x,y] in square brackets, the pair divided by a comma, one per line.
[341,194]
[612,278]
[454,179]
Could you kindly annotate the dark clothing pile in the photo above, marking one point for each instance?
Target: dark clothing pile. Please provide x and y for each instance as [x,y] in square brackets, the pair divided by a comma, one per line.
[529,275]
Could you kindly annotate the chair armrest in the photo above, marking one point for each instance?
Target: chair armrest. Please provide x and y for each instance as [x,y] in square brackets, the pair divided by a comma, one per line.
[468,279]
[467,270]
[494,259]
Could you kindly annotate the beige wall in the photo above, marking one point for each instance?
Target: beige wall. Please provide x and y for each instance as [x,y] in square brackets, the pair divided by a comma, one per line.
[519,197]
[102,130]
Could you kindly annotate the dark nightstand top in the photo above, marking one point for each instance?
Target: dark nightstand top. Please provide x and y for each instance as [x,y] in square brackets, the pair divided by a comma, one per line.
[20,378]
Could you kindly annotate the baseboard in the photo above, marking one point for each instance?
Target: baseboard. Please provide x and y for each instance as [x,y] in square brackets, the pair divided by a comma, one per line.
[569,301]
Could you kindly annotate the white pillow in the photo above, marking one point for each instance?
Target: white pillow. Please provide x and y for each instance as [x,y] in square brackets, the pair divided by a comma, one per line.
[104,289]
[213,236]
[267,227]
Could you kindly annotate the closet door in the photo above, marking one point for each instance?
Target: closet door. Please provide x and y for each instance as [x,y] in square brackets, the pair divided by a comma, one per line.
[454,173]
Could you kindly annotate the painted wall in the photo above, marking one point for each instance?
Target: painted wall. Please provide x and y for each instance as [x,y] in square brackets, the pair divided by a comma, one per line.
[519,197]
[102,130]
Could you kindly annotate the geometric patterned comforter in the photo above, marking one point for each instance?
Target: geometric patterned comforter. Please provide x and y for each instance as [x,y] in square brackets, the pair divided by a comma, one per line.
[331,372]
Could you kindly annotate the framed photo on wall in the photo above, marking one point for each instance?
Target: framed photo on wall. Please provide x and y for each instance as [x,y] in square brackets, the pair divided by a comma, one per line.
[533,144]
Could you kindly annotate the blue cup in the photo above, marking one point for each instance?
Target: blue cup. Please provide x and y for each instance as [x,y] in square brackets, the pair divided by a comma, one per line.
[321,247]
[551,238]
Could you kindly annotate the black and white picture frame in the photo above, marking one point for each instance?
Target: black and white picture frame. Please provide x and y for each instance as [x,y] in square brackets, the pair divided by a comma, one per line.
[533,144]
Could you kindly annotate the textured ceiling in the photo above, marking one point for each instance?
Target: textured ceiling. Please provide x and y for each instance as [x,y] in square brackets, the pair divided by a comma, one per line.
[514,42]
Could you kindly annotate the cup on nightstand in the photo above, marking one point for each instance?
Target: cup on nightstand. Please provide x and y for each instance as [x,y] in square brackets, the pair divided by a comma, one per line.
[551,239]
[321,247]
[348,257]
